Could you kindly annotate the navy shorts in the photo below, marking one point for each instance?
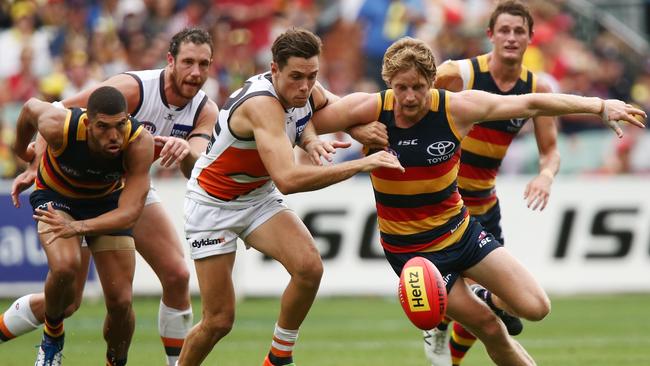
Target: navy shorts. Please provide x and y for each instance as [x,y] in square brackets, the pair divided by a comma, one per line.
[79,209]
[474,245]
[491,221]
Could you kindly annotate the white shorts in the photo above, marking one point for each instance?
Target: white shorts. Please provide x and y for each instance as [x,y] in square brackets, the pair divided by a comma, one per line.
[213,230]
[152,196]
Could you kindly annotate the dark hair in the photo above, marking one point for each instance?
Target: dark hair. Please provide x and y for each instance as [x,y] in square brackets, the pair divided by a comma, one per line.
[106,100]
[296,42]
[512,7]
[195,35]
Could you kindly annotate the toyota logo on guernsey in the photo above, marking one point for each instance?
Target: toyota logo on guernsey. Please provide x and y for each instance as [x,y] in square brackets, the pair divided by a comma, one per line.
[441,151]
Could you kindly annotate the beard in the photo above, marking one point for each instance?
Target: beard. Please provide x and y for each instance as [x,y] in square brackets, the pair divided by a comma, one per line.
[177,86]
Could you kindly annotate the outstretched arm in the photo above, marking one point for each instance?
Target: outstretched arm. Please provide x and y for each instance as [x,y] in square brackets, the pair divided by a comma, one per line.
[353,109]
[538,190]
[471,106]
[265,117]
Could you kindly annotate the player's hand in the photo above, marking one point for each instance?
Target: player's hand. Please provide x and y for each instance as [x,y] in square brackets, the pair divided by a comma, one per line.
[30,152]
[538,191]
[57,225]
[616,111]
[174,149]
[373,135]
[382,159]
[22,182]
[317,149]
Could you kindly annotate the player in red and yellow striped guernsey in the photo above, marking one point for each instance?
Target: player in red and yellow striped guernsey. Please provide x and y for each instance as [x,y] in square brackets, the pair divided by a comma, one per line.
[501,72]
[92,182]
[420,212]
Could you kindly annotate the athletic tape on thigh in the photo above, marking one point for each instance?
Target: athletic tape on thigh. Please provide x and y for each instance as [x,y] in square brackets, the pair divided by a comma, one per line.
[107,242]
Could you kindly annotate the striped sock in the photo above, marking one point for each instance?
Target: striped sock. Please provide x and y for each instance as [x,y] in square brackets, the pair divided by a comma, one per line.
[460,342]
[53,326]
[173,326]
[282,346]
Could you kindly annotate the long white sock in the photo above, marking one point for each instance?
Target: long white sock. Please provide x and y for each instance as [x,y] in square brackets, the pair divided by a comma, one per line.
[173,326]
[17,320]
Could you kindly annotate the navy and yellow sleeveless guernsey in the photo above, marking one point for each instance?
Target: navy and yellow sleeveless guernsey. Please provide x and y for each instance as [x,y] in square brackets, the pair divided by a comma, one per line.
[420,209]
[485,146]
[72,173]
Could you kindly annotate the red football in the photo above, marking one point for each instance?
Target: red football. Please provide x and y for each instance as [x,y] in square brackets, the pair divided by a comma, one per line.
[422,293]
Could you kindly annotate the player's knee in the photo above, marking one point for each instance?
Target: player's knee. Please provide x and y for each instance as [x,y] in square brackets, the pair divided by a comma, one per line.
[119,304]
[72,308]
[218,324]
[64,272]
[538,309]
[310,270]
[487,325]
[176,280]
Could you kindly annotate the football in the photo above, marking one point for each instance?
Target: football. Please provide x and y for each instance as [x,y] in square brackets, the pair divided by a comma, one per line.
[422,293]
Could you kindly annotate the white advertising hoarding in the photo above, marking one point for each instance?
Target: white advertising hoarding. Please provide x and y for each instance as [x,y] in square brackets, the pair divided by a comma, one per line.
[593,237]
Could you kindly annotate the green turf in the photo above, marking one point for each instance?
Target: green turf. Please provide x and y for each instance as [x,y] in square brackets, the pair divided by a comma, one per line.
[586,330]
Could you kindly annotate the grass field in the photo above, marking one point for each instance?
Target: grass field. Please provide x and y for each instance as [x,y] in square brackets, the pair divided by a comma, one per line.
[585,330]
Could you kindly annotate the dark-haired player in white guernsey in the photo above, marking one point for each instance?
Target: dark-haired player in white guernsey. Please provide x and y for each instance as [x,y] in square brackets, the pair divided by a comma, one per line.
[172,106]
[92,182]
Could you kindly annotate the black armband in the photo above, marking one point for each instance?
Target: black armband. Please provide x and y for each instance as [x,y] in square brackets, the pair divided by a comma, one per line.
[201,135]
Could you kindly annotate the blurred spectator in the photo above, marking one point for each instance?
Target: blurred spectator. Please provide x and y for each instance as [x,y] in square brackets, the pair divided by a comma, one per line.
[23,33]
[9,164]
[78,75]
[386,21]
[249,30]
[23,84]
[52,86]
[53,48]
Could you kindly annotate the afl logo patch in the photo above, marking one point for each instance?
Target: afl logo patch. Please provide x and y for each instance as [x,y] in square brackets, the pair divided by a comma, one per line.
[441,148]
[149,126]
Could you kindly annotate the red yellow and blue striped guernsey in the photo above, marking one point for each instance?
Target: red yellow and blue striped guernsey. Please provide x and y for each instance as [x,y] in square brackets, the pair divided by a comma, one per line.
[420,209]
[485,146]
[71,172]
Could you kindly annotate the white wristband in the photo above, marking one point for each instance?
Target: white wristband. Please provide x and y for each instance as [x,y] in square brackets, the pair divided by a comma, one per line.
[58,104]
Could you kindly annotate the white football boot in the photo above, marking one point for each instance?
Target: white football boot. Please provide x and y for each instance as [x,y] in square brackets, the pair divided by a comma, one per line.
[436,346]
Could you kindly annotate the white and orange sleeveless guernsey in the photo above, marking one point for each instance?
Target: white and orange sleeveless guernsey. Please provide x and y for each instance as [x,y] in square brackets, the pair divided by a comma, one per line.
[231,171]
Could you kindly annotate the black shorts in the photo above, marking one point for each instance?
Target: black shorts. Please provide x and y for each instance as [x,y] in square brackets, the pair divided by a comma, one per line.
[473,246]
[79,209]
[491,221]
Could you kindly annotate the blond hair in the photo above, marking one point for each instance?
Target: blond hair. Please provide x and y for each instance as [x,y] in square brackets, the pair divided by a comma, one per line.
[407,53]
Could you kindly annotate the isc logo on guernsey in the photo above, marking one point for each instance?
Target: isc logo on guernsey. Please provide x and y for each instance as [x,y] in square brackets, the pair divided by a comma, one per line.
[206,242]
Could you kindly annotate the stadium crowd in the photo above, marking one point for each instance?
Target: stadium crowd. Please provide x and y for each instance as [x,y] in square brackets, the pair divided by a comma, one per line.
[54,48]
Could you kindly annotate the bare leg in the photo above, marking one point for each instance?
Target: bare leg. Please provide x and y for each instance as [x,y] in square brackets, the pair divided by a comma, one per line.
[116,269]
[285,238]
[477,317]
[218,308]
